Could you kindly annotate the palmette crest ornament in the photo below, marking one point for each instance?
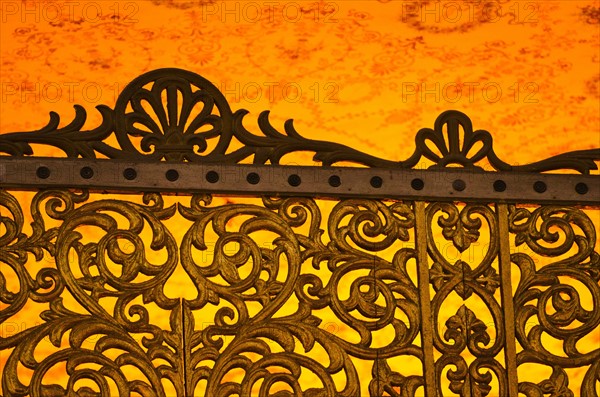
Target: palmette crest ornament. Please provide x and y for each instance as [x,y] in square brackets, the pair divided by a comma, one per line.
[176,115]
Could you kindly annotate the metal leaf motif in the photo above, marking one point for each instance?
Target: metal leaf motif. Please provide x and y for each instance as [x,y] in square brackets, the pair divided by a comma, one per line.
[387,381]
[465,326]
[556,386]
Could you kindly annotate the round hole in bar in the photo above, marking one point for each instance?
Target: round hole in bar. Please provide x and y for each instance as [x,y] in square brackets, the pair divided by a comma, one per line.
[581,188]
[172,175]
[212,176]
[459,185]
[539,186]
[86,172]
[417,184]
[335,181]
[294,180]
[43,172]
[499,185]
[253,178]
[129,174]
[376,182]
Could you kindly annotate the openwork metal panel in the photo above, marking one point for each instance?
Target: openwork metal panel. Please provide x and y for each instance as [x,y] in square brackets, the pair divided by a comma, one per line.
[319,281]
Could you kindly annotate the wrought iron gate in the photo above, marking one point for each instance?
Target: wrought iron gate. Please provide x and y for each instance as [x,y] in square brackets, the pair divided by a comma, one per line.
[322,281]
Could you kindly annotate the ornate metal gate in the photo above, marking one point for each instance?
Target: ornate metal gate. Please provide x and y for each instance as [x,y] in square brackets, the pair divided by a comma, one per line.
[319,281]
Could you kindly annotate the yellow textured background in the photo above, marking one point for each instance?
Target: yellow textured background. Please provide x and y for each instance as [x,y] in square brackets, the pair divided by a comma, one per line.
[341,69]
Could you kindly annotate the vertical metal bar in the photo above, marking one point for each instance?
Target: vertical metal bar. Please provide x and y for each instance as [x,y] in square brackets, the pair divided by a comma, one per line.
[510,349]
[424,300]
[183,360]
[376,293]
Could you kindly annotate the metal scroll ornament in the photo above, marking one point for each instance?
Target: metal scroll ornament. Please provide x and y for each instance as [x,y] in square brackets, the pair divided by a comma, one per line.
[288,296]
[267,321]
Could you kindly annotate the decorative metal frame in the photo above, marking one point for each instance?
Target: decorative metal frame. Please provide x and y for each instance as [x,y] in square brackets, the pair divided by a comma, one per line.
[173,131]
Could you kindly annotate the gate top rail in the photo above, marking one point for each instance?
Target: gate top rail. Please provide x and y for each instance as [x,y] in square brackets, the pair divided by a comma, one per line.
[175,131]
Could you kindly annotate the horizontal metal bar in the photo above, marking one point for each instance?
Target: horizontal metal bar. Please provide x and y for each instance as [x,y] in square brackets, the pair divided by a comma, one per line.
[242,179]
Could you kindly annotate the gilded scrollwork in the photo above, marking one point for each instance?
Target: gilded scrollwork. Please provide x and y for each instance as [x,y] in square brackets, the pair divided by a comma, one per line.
[266,275]
[549,295]
[118,263]
[368,220]
[465,331]
[81,268]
